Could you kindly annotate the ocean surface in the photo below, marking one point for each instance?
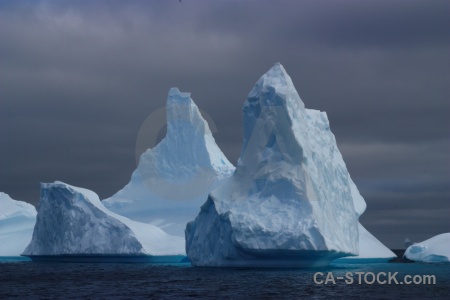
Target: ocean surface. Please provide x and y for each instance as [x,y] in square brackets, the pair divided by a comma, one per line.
[25,279]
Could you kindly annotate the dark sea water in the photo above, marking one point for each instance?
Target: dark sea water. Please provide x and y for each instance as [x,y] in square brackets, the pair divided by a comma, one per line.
[113,280]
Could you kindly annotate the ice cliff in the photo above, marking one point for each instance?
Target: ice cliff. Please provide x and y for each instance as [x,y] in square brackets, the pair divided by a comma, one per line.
[72,220]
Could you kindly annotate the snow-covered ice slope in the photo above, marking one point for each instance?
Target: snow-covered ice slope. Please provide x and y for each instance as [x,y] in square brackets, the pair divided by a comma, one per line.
[17,220]
[370,248]
[73,220]
[289,203]
[435,249]
[174,178]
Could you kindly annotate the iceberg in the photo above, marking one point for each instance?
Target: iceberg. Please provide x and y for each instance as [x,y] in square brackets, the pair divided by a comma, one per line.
[433,250]
[72,221]
[17,219]
[174,178]
[289,203]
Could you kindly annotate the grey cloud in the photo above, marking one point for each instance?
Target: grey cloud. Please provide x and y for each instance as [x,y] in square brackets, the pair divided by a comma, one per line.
[78,79]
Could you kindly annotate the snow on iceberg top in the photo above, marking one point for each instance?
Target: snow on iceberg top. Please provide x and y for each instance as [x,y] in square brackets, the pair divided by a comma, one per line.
[435,249]
[73,220]
[10,208]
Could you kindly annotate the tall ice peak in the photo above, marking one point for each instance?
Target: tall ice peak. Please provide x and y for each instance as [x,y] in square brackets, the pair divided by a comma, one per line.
[290,202]
[271,112]
[183,113]
[274,81]
[174,178]
[188,146]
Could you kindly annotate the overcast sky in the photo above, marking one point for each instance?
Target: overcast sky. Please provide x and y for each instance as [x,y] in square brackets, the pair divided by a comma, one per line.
[79,78]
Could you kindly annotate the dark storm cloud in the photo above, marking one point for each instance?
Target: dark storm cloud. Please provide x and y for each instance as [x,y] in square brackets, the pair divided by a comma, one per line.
[78,78]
